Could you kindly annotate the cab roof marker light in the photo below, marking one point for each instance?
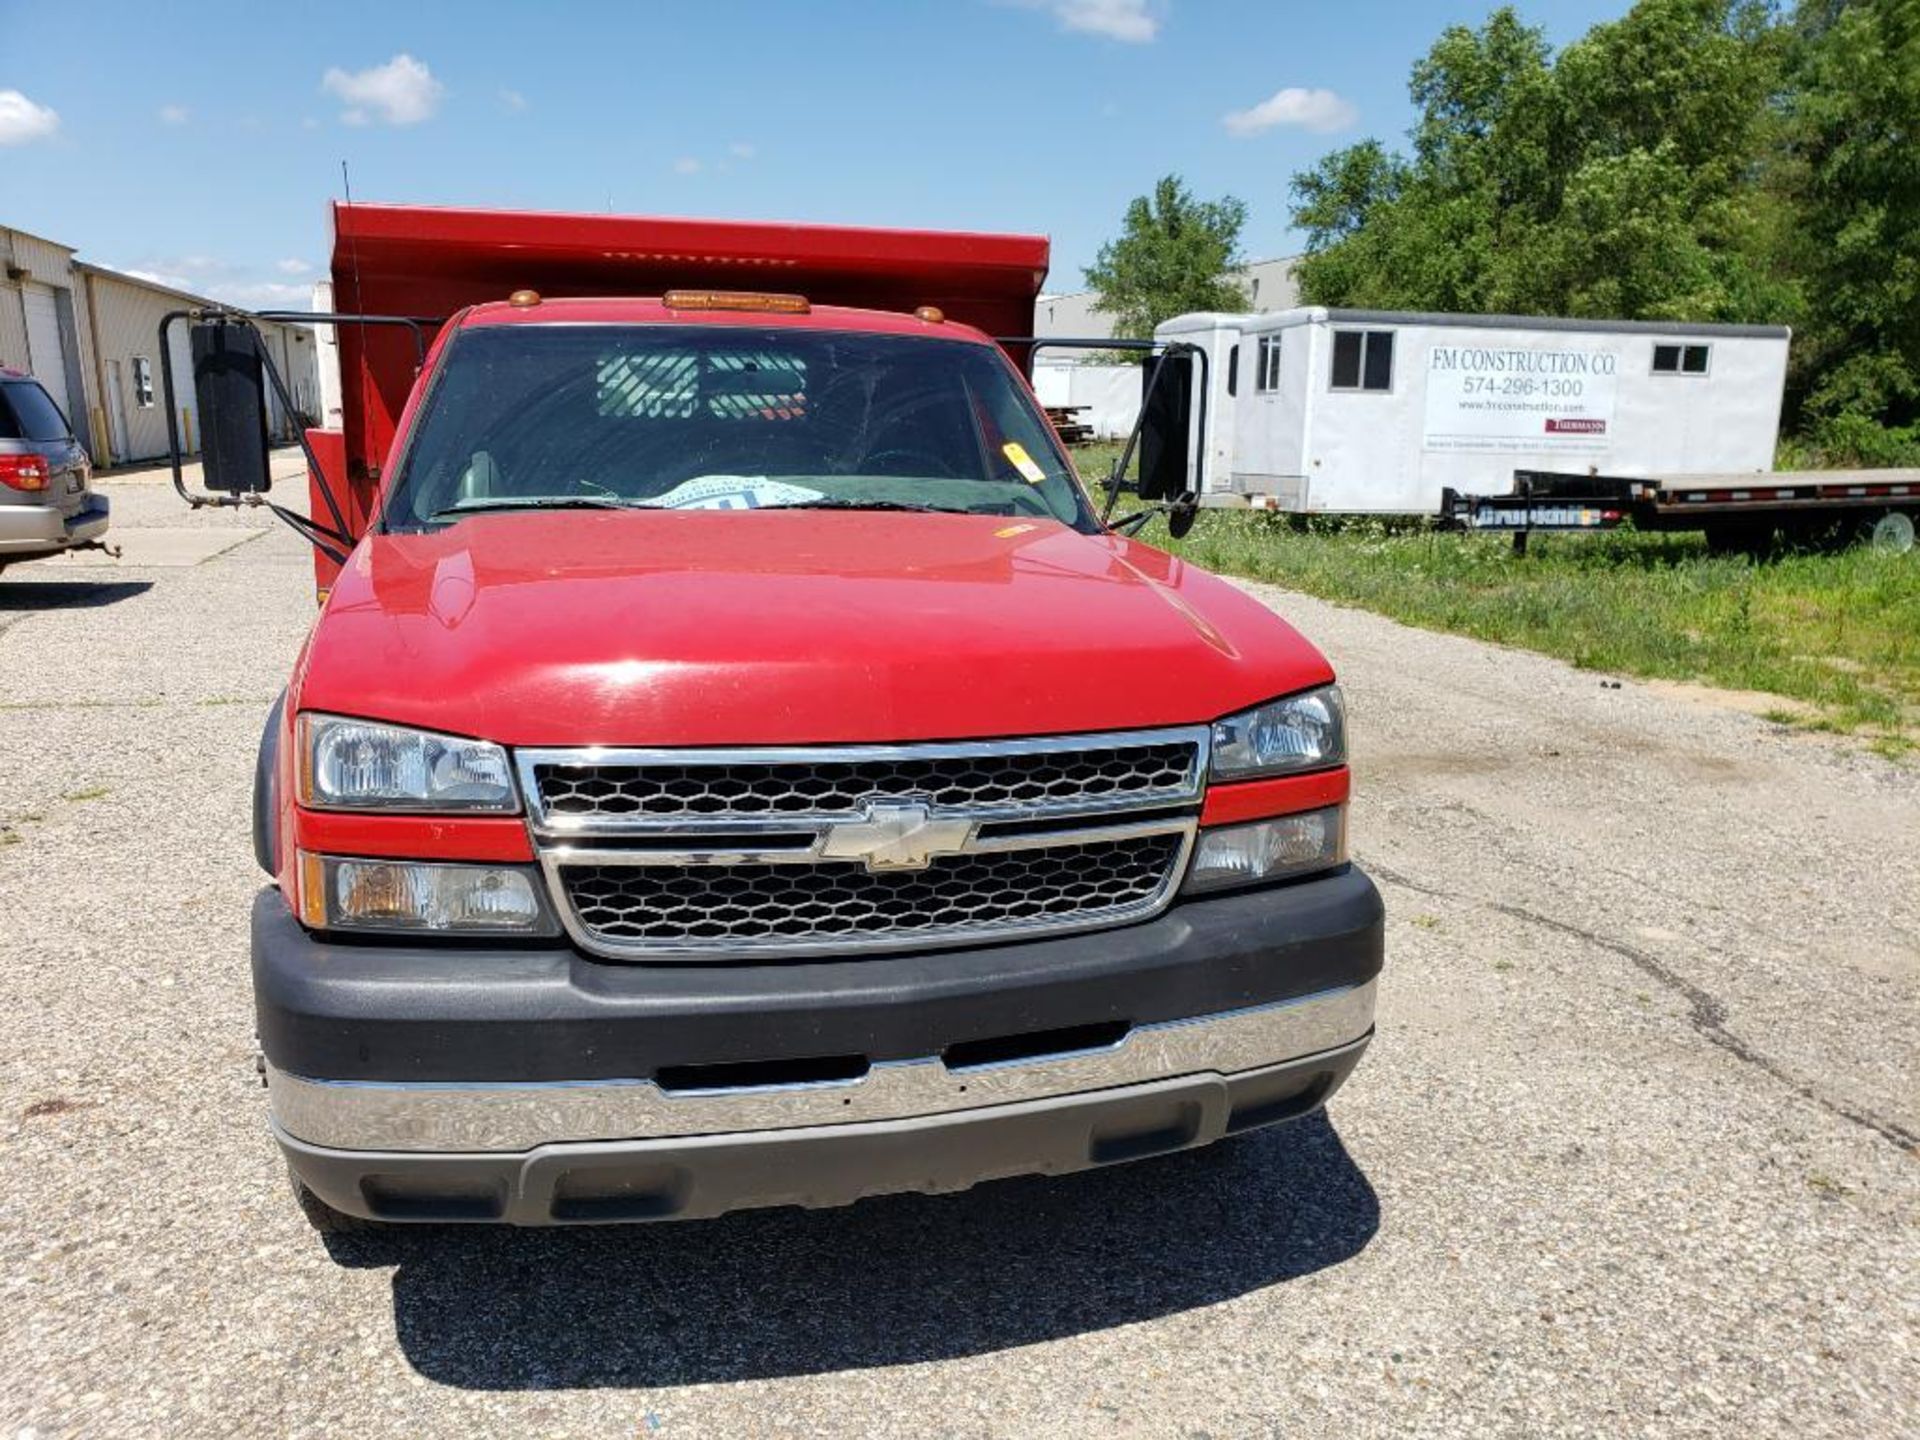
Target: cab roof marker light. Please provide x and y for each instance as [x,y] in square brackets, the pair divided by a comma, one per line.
[749,300]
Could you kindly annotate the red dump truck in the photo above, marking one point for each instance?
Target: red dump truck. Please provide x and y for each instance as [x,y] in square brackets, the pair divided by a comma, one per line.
[736,763]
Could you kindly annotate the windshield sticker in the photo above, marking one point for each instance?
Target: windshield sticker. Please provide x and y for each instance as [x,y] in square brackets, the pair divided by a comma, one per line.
[734,492]
[1018,457]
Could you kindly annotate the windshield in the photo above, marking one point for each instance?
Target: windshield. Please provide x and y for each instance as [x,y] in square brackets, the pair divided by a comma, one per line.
[727,418]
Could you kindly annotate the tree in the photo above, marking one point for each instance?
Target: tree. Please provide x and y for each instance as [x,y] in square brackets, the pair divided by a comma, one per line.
[1617,179]
[1853,145]
[1175,254]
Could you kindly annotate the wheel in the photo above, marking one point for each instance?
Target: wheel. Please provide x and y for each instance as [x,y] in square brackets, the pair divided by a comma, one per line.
[1892,533]
[324,1219]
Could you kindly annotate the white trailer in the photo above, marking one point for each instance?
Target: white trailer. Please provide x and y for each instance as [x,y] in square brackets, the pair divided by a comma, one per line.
[1366,411]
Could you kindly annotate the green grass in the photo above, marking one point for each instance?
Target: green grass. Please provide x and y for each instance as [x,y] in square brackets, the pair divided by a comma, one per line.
[1836,632]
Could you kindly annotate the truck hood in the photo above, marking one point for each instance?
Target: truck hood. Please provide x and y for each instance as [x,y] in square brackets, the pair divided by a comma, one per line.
[723,628]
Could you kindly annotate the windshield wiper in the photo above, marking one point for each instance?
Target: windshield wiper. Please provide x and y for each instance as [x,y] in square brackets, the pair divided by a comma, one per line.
[534,502]
[827,503]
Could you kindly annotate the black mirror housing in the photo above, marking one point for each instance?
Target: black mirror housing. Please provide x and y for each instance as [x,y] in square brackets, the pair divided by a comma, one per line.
[1166,428]
[229,388]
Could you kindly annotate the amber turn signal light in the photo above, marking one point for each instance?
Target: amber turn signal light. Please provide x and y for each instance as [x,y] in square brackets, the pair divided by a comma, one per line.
[736,300]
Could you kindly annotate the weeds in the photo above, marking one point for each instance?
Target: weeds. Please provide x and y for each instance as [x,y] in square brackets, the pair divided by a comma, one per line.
[1838,632]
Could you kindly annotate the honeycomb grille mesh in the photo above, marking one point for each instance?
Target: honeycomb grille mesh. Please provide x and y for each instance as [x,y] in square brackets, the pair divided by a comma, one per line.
[583,793]
[725,906]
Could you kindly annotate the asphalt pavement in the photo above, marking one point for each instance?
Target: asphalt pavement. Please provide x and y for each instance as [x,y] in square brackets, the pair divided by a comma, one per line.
[1633,1154]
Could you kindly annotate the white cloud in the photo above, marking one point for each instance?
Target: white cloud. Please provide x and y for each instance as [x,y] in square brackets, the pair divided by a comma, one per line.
[157,277]
[1130,21]
[686,165]
[175,115]
[1317,110]
[292,267]
[400,92]
[741,150]
[21,120]
[235,282]
[264,294]
[512,101]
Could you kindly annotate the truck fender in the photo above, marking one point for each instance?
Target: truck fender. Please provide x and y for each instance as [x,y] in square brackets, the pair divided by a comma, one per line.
[266,787]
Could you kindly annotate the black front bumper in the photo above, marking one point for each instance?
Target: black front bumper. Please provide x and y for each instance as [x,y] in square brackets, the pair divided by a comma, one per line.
[341,1011]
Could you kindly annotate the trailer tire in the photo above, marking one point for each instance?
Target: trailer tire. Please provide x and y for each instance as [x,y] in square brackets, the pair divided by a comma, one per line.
[1892,533]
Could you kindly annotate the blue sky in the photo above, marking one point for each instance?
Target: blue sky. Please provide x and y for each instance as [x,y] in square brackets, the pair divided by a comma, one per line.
[199,142]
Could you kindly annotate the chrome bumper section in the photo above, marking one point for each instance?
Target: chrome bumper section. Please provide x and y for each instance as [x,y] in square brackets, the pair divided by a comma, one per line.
[508,1117]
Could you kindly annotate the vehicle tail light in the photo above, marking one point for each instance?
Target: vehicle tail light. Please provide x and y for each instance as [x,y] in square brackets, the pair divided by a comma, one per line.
[23,472]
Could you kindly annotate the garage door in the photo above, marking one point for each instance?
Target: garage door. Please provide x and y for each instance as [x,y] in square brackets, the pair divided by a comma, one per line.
[46,358]
[185,413]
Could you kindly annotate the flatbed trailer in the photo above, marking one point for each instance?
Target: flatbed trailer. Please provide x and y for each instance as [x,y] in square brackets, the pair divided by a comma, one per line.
[1735,511]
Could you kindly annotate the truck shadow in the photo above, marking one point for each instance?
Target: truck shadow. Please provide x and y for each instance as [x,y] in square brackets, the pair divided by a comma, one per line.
[886,1282]
[68,594]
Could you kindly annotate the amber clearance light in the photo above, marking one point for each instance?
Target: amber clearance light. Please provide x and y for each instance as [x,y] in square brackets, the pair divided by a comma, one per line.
[736,300]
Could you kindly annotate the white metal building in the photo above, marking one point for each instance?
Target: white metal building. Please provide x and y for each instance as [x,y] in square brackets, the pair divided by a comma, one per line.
[1107,396]
[90,336]
[1359,411]
[1269,285]
[43,322]
[129,390]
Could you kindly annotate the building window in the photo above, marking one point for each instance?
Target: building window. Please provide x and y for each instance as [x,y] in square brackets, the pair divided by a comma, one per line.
[1269,376]
[1363,360]
[1680,359]
[142,382]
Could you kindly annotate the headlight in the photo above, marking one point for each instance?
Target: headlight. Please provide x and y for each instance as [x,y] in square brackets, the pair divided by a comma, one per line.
[1307,731]
[360,765]
[337,894]
[1276,849]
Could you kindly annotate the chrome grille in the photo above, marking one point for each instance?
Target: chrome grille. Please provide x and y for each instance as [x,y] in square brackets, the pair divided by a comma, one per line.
[667,788]
[755,905]
[797,850]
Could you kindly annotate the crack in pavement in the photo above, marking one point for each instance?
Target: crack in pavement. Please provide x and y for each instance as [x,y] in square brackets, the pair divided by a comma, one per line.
[1706,1013]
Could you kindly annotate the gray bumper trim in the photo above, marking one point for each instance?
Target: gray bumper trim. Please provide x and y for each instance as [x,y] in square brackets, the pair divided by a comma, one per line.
[438,1116]
[694,1177]
[45,529]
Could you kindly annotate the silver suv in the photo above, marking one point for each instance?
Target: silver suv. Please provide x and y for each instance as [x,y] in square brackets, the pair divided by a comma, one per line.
[47,503]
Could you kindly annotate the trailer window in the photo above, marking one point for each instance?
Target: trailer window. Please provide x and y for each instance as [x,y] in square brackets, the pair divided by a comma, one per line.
[1269,377]
[1362,360]
[728,418]
[142,382]
[1680,359]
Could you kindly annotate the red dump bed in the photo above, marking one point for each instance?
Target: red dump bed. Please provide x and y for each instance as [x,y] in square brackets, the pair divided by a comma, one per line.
[429,262]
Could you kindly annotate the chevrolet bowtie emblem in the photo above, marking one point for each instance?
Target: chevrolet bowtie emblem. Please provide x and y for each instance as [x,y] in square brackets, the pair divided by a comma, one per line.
[896,837]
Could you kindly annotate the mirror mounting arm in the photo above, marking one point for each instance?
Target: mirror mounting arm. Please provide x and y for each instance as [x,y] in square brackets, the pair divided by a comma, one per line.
[1180,515]
[333,541]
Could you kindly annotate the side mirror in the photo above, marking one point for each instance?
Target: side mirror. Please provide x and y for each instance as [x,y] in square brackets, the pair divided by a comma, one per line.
[1166,429]
[229,387]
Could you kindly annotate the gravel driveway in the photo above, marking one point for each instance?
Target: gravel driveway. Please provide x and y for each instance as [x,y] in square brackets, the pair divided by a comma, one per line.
[1635,1152]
